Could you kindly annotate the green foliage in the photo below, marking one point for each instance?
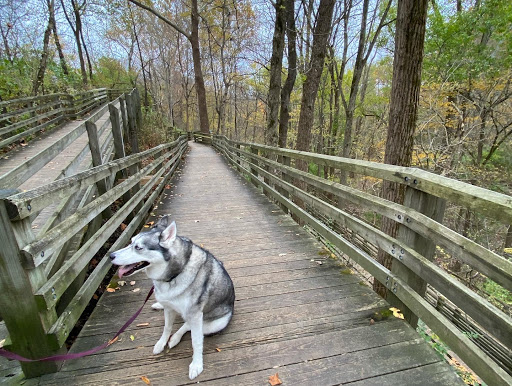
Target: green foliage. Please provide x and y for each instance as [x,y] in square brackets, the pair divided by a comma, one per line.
[156,129]
[496,291]
[16,79]
[471,44]
[110,73]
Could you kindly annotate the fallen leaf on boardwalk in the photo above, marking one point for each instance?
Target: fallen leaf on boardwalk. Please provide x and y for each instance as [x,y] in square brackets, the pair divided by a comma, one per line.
[112,341]
[142,324]
[132,338]
[145,380]
[167,186]
[123,226]
[396,313]
[132,282]
[95,297]
[136,290]
[151,223]
[2,343]
[508,250]
[111,289]
[274,380]
[146,226]
[121,283]
[218,349]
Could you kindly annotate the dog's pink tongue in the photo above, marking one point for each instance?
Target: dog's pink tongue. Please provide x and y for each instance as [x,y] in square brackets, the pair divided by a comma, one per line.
[123,269]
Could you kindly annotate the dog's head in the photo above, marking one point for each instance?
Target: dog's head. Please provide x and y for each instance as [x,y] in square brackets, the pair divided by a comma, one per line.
[151,251]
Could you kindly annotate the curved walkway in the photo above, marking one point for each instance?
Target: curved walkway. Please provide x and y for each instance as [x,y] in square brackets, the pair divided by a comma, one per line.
[298,313]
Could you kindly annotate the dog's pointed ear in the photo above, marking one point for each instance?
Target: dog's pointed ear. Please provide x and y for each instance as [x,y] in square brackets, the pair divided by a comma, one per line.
[168,235]
[162,223]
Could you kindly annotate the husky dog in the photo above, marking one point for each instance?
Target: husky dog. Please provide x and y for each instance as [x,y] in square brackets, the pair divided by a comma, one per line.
[188,280]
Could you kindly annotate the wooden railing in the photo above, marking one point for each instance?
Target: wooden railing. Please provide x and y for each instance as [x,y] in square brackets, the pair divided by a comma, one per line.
[25,117]
[476,330]
[201,137]
[46,279]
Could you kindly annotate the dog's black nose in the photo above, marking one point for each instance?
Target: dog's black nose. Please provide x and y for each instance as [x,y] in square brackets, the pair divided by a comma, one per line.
[112,256]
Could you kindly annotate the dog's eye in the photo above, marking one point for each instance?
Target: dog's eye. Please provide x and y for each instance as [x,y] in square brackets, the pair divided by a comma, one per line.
[137,248]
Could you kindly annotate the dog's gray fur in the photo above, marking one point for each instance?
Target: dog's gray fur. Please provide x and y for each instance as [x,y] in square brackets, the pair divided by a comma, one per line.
[188,280]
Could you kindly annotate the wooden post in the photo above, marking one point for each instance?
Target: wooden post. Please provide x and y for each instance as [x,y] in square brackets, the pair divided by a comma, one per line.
[19,308]
[116,131]
[132,121]
[432,207]
[70,109]
[138,108]
[131,110]
[124,116]
[254,172]
[94,146]
[284,160]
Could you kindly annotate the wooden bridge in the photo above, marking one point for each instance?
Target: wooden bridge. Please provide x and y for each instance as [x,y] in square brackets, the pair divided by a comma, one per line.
[300,311]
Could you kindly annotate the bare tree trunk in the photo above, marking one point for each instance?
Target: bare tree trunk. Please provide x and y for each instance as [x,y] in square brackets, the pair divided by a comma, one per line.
[314,73]
[38,81]
[198,72]
[7,48]
[276,64]
[136,36]
[405,91]
[364,50]
[89,64]
[193,38]
[287,89]
[62,59]
[77,28]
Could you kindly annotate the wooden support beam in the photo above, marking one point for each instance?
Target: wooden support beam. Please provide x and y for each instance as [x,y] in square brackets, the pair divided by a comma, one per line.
[94,146]
[432,207]
[19,308]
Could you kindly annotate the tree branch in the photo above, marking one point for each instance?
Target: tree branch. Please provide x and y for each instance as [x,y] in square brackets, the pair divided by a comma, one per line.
[161,17]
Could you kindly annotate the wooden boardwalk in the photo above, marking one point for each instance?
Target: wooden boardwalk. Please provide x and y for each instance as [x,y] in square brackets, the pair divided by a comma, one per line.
[297,313]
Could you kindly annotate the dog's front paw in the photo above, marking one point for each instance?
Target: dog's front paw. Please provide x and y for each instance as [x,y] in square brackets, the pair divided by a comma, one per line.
[157,306]
[159,346]
[195,369]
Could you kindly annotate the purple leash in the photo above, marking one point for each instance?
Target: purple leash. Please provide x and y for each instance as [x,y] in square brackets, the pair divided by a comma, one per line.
[63,357]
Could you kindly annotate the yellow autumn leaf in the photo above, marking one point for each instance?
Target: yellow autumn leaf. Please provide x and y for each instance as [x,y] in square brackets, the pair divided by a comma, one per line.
[145,380]
[396,313]
[132,338]
[508,250]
